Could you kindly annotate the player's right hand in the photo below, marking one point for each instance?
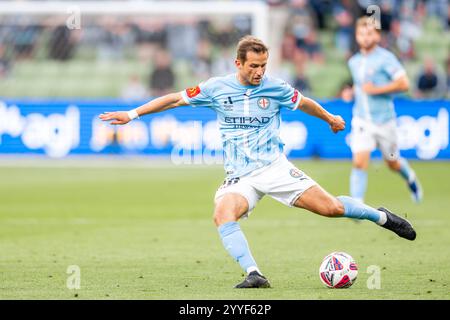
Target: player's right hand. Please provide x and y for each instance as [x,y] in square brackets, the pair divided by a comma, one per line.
[116,117]
[337,124]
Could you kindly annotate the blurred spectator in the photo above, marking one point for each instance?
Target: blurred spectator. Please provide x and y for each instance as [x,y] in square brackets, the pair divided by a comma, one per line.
[150,32]
[345,20]
[5,63]
[224,63]
[61,44]
[448,17]
[223,33]
[439,9]
[150,35]
[409,28]
[429,83]
[202,63]
[346,91]
[25,40]
[313,48]
[321,8]
[399,42]
[302,27]
[300,22]
[115,38]
[4,67]
[275,3]
[387,14]
[300,81]
[447,73]
[134,89]
[182,39]
[243,25]
[162,78]
[288,47]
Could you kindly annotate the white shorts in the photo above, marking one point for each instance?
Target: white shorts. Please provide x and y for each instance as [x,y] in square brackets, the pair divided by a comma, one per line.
[367,136]
[281,180]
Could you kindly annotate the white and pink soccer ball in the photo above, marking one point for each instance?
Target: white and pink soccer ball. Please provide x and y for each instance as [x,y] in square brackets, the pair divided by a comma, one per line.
[338,270]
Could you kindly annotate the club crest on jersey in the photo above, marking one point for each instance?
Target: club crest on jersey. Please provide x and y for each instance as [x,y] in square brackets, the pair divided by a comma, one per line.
[192,92]
[263,103]
[295,173]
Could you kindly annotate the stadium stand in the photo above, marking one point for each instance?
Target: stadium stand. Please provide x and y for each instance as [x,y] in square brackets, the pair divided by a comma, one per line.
[41,57]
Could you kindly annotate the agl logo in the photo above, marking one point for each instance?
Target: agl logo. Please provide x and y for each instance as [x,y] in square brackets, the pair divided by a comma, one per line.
[428,135]
[57,134]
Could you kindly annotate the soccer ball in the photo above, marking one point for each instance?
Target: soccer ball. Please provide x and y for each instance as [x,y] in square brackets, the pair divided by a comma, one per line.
[338,270]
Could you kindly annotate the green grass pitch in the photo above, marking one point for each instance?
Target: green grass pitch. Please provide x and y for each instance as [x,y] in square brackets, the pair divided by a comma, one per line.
[147,233]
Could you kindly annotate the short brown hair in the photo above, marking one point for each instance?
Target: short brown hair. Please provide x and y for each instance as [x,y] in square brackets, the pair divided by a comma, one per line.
[250,43]
[366,21]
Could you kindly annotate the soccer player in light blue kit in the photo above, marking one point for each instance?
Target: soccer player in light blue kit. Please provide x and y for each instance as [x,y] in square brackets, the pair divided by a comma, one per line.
[377,75]
[248,105]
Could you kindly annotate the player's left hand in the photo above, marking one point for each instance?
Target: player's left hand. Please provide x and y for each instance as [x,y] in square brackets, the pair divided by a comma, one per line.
[370,88]
[337,124]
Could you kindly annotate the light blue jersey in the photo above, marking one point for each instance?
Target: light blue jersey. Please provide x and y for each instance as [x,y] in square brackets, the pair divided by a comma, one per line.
[379,67]
[249,118]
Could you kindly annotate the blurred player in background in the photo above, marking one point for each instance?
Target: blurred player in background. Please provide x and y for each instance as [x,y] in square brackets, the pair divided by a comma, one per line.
[377,75]
[248,106]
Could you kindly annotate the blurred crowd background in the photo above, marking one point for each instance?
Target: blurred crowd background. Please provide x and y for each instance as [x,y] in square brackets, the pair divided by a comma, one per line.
[139,56]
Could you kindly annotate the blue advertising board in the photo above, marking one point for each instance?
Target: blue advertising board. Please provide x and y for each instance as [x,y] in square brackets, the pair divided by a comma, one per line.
[58,128]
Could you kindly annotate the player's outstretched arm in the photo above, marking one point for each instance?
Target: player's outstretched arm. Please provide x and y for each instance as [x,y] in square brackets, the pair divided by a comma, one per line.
[313,108]
[169,101]
[401,84]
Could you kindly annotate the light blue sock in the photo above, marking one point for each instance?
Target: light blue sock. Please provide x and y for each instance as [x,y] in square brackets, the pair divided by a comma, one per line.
[356,210]
[358,184]
[405,171]
[235,243]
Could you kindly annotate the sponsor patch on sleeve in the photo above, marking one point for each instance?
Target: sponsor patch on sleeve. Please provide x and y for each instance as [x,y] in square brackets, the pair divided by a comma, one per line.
[192,92]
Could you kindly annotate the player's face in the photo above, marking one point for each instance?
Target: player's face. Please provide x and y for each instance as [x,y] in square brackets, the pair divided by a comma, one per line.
[367,37]
[252,70]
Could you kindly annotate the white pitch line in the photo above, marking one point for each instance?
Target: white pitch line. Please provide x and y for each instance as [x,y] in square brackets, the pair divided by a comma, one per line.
[97,162]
